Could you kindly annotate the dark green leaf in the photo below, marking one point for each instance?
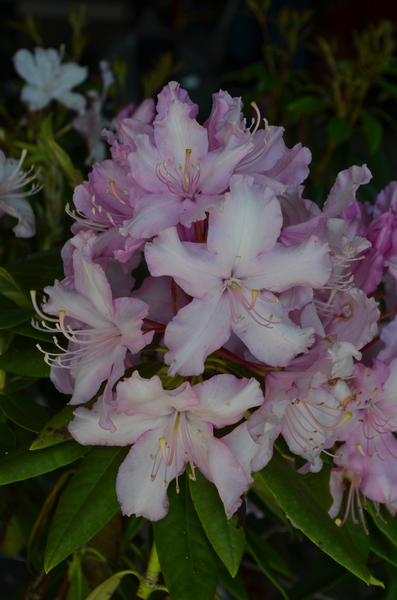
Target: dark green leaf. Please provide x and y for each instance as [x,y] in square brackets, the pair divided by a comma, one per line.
[10,289]
[234,585]
[303,508]
[86,505]
[381,545]
[259,552]
[55,431]
[318,483]
[16,384]
[373,131]
[12,317]
[227,537]
[27,364]
[25,413]
[358,537]
[339,130]
[23,464]
[384,522]
[261,490]
[27,330]
[187,560]
[322,575]
[7,439]
[308,105]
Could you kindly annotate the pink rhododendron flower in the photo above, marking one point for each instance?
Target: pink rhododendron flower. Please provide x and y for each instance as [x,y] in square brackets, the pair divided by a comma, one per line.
[99,330]
[233,279]
[371,445]
[307,402]
[170,428]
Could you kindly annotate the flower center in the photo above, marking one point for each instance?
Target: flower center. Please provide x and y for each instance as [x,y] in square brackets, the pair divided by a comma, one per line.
[180,179]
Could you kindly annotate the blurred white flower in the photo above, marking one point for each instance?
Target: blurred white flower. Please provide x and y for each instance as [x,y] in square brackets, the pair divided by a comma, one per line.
[47,79]
[90,123]
[12,201]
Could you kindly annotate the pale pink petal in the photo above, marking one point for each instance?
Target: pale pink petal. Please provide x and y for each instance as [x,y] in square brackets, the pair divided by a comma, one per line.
[307,264]
[293,167]
[268,148]
[249,224]
[128,315]
[336,488]
[219,165]
[172,91]
[152,213]
[176,132]
[196,270]
[136,491]
[275,342]
[225,399]
[143,164]
[219,465]
[197,330]
[21,210]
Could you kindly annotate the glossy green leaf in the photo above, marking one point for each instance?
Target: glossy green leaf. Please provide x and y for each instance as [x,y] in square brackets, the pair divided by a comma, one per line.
[227,537]
[107,587]
[234,585]
[24,412]
[54,431]
[28,364]
[12,317]
[27,330]
[261,490]
[187,560]
[358,536]
[86,505]
[318,483]
[260,553]
[384,522]
[303,508]
[373,131]
[7,439]
[17,383]
[381,545]
[308,105]
[24,464]
[78,585]
[339,130]
[10,289]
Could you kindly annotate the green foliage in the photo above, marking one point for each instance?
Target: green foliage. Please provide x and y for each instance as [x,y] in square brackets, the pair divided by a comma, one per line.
[186,556]
[86,505]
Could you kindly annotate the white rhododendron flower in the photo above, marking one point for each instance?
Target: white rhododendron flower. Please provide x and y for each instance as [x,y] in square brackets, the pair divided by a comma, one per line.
[47,79]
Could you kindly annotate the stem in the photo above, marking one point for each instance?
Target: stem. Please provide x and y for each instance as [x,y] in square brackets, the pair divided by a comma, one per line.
[148,583]
[261,370]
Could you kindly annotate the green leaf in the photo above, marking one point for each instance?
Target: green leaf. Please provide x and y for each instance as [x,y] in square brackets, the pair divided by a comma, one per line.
[384,522]
[261,490]
[318,483]
[260,553]
[234,585]
[381,545]
[107,587]
[23,464]
[16,384]
[308,104]
[27,330]
[303,508]
[27,364]
[78,585]
[12,317]
[86,505]
[227,537]
[55,431]
[10,289]
[339,130]
[358,537]
[372,129]
[7,439]
[25,413]
[187,560]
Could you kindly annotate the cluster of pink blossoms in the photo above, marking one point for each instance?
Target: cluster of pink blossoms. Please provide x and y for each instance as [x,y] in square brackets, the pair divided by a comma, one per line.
[240,264]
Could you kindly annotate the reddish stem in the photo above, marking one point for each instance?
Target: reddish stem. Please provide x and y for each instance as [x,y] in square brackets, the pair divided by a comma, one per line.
[63,588]
[198,231]
[387,315]
[256,368]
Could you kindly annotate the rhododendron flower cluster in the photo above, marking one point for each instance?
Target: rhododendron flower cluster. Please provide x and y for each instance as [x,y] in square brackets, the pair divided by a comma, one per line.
[242,269]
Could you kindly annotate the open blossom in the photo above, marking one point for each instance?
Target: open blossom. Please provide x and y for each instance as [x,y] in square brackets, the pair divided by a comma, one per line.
[170,428]
[370,441]
[233,279]
[13,202]
[307,402]
[47,79]
[99,331]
